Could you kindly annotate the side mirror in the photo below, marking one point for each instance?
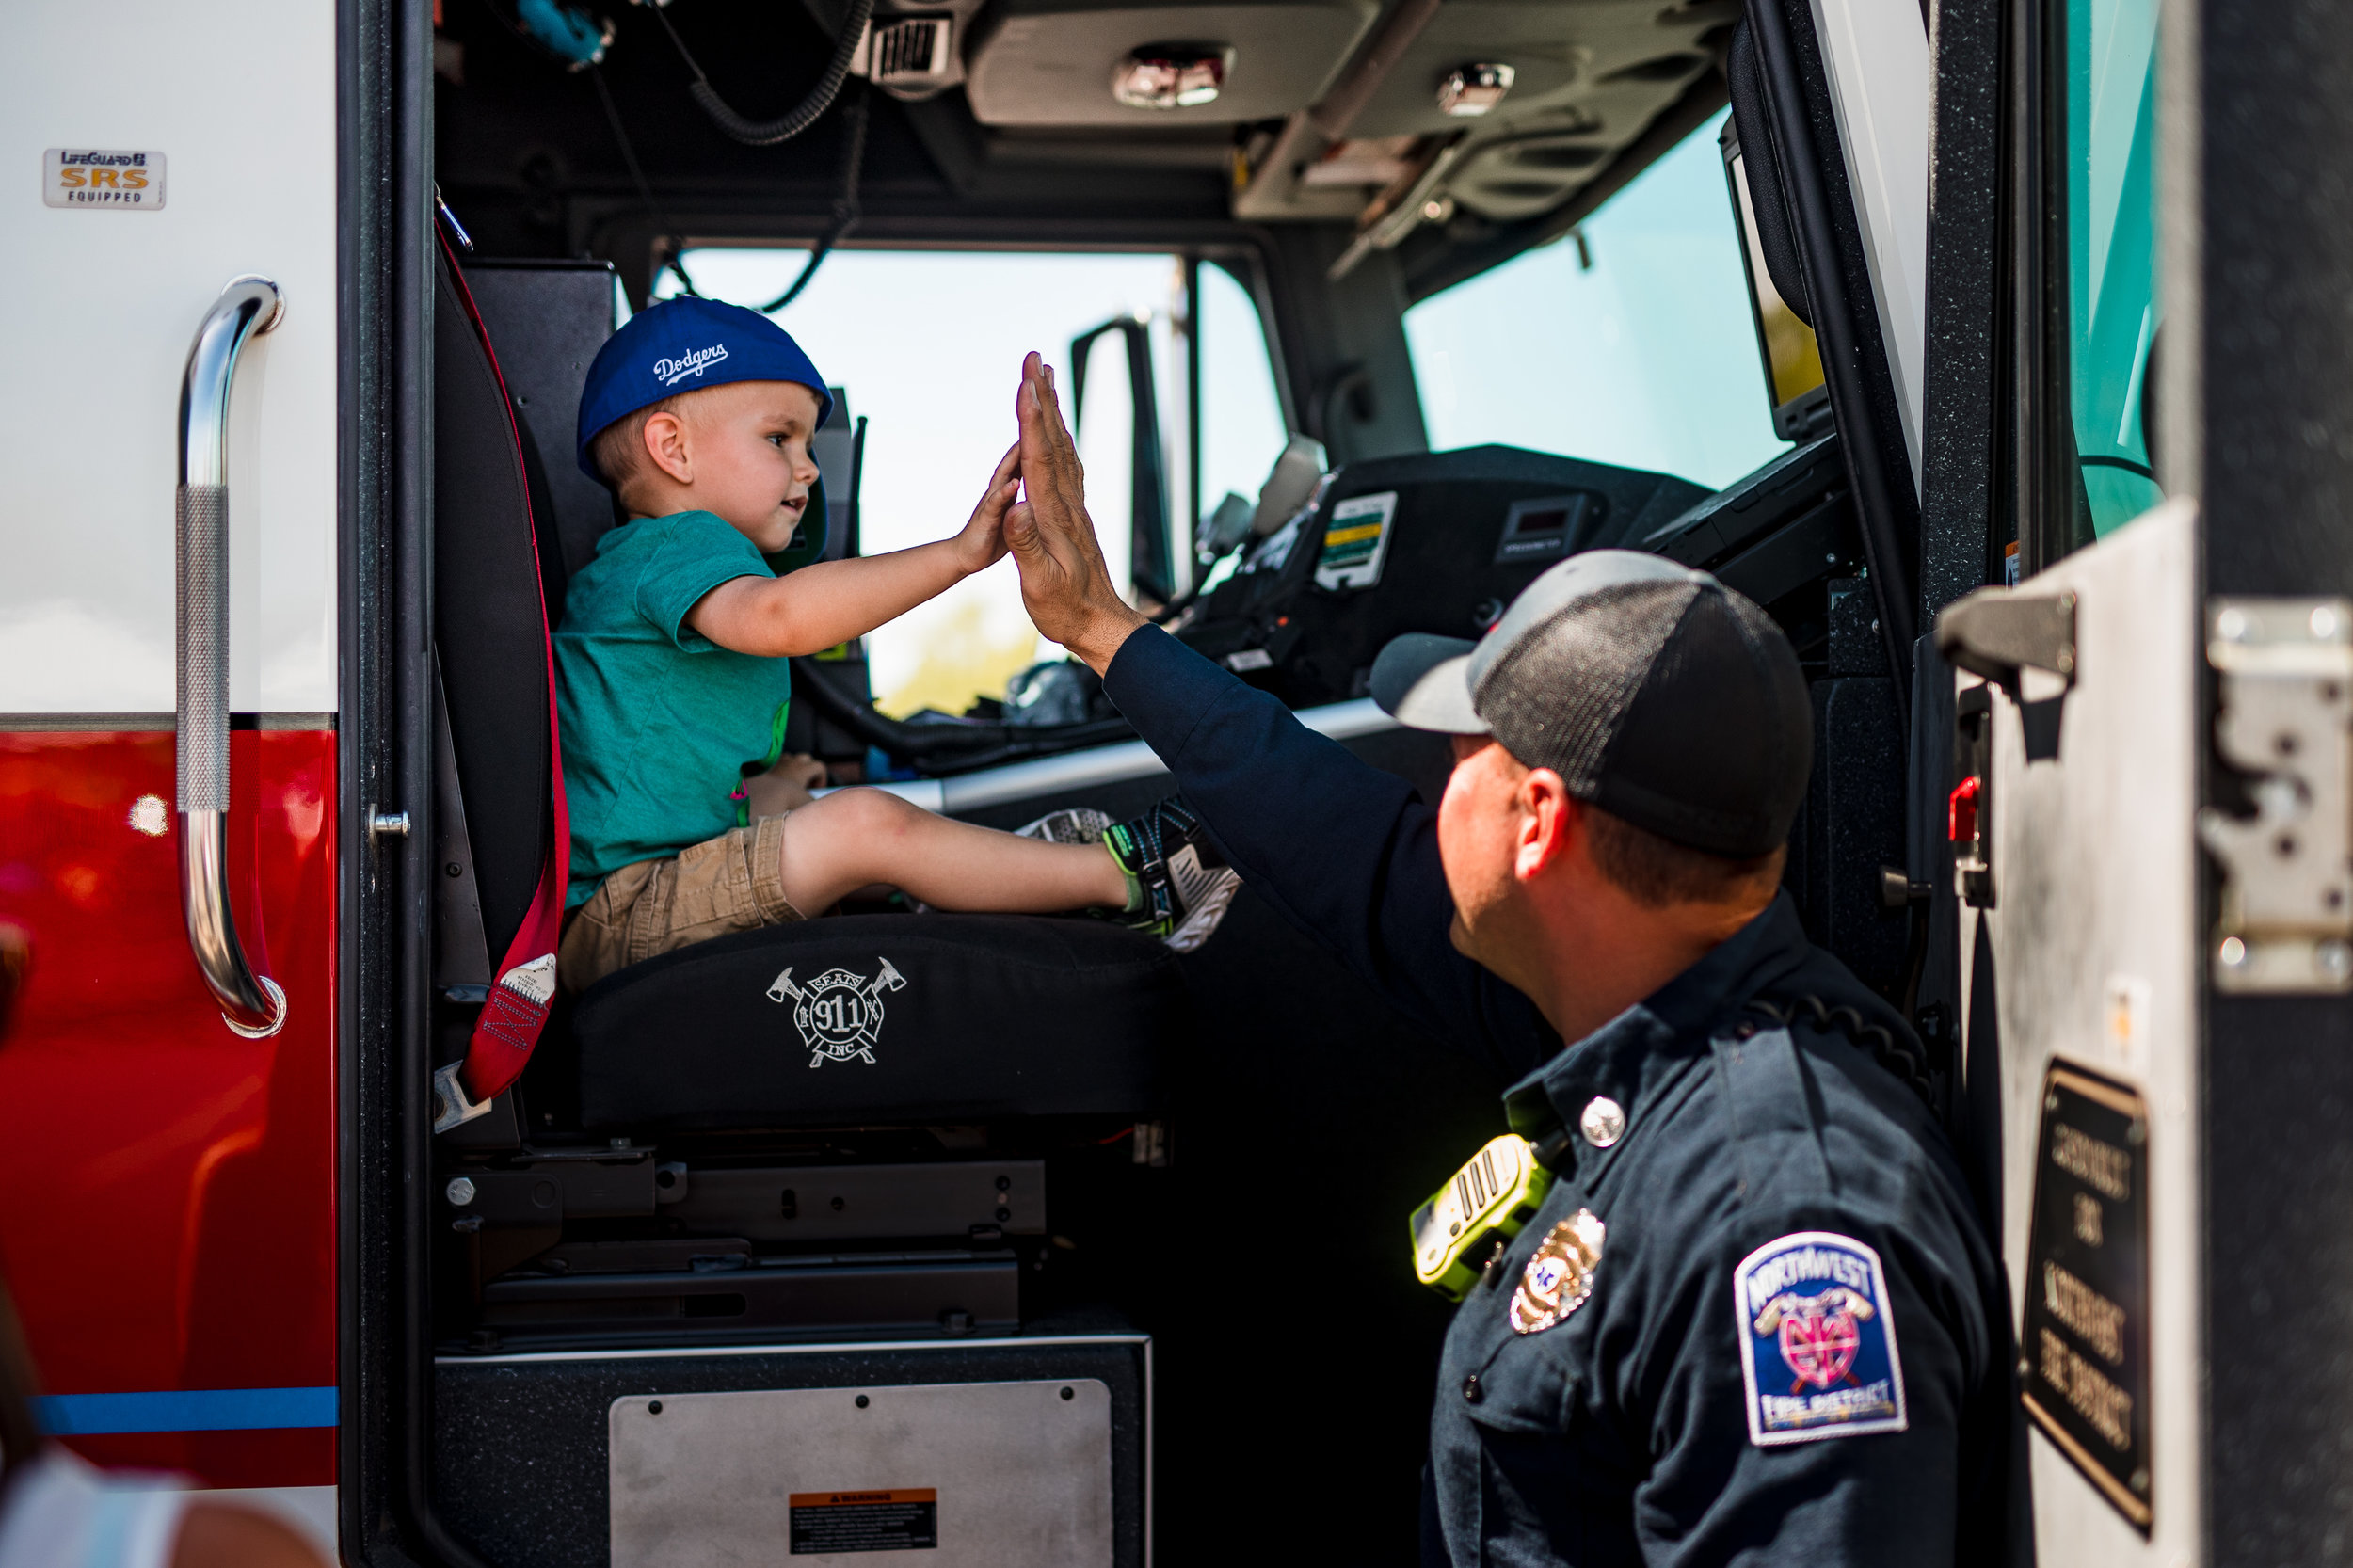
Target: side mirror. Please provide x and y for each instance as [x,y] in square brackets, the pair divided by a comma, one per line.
[1151,554]
[1223,533]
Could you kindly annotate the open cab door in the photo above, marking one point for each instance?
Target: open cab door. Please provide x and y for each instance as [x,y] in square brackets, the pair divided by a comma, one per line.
[2146,807]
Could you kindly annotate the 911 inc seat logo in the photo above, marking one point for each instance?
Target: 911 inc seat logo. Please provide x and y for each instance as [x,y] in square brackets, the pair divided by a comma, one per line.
[839,1014]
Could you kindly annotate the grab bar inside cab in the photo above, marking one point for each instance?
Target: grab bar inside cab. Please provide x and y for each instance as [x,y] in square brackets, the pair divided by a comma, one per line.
[251,1003]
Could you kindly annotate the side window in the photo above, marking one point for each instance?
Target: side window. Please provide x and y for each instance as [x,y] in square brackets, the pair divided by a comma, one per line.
[929,343]
[2109,138]
[1628,340]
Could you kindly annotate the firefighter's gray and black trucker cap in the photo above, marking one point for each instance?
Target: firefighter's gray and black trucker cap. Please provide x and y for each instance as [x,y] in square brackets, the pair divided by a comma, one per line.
[1654,691]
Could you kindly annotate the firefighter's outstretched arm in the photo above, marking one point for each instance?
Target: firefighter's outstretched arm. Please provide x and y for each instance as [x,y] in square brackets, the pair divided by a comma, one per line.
[1348,853]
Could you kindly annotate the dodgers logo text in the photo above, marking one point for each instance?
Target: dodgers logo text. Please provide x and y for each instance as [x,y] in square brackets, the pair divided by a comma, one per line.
[693,362]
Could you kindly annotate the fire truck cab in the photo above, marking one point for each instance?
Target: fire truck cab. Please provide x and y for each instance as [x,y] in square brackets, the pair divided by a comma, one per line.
[1994,346]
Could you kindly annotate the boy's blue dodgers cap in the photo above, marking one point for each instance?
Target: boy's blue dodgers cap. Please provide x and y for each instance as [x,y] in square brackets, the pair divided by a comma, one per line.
[681,344]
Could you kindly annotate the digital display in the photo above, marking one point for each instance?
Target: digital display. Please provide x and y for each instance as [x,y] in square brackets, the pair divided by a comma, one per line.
[1542,528]
[1792,359]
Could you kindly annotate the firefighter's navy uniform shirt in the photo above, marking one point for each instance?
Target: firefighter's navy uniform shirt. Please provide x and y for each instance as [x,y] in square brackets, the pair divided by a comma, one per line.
[1794,1349]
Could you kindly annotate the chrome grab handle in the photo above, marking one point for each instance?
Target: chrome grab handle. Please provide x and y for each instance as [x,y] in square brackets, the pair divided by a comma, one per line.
[251,1004]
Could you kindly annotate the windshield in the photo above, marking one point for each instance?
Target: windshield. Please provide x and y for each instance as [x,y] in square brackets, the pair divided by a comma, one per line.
[2112,252]
[928,343]
[1629,340]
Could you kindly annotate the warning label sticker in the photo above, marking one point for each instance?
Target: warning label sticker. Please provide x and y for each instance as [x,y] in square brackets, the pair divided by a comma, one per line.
[1355,542]
[895,1521]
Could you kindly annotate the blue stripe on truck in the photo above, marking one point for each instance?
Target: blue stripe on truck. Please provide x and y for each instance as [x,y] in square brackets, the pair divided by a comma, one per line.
[186,1409]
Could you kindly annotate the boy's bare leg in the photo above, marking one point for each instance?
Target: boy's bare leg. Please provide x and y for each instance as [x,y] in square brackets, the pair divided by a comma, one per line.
[848,841]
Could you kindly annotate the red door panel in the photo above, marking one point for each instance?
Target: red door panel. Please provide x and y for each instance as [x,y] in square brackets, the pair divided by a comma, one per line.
[171,1210]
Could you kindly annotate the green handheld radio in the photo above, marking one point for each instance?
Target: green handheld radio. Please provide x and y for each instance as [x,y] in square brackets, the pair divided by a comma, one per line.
[1495,1193]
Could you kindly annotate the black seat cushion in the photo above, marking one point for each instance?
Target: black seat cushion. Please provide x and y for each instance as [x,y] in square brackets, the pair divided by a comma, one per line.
[897,1019]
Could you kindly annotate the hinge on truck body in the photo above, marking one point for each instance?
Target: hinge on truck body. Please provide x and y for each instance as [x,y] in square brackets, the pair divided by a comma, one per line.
[2284,721]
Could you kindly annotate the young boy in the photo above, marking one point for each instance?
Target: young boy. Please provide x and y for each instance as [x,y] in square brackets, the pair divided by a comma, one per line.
[672,681]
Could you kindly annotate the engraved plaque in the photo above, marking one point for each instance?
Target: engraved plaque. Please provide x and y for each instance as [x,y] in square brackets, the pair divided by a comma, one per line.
[2084,1346]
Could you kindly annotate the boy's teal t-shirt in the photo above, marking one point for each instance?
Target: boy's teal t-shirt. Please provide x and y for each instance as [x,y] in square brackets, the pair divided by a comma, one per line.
[658,720]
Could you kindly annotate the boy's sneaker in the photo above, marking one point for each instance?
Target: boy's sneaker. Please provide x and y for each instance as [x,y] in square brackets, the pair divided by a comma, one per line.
[1182,886]
[1077,824]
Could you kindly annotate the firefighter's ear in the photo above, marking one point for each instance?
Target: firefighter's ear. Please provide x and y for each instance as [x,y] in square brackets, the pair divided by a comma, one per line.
[1549,819]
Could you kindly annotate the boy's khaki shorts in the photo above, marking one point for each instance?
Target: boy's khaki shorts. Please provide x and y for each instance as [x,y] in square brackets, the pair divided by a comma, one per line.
[735,882]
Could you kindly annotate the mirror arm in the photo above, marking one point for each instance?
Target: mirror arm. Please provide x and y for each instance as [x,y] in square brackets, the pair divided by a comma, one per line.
[1151,567]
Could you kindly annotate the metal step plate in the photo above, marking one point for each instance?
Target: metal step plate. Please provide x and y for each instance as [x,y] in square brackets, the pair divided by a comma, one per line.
[972,1475]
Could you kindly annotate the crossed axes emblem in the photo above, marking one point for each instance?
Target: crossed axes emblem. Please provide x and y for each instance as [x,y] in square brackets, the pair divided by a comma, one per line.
[828,1027]
[1819,1334]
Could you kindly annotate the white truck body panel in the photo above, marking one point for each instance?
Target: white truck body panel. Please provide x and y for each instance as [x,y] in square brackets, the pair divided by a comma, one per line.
[241,102]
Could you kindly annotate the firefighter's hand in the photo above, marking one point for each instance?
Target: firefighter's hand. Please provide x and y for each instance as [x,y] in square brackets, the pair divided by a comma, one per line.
[1064,584]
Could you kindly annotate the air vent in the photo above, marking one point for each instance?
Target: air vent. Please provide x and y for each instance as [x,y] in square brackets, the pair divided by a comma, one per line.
[1666,68]
[909,58]
[906,49]
[1508,181]
[1557,154]
[1524,190]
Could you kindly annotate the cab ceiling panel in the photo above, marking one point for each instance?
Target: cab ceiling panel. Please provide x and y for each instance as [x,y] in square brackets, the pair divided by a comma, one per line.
[1576,64]
[1569,88]
[1530,167]
[1045,62]
[1329,110]
[530,159]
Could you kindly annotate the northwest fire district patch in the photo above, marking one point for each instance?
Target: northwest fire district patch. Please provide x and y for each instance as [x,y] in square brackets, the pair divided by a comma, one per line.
[1818,1340]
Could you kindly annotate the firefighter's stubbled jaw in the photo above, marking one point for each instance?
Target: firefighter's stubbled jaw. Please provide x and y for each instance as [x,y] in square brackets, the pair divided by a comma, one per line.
[740,451]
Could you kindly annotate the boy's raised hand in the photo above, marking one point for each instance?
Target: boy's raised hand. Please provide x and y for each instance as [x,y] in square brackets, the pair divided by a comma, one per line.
[1064,583]
[980,543]
[826,603]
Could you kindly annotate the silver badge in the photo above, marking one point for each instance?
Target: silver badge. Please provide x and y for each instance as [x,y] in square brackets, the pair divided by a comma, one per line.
[1561,1275]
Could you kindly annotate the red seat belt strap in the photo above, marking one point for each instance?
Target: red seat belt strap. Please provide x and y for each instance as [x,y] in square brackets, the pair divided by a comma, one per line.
[517,1009]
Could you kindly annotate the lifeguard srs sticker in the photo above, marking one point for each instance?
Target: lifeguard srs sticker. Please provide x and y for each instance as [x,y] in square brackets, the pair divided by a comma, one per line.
[1818,1340]
[96,177]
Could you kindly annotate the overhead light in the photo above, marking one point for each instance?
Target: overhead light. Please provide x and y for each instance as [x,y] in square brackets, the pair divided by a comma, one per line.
[1473,90]
[1170,75]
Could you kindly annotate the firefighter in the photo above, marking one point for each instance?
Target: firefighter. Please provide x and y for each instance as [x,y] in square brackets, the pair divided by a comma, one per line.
[1755,1316]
